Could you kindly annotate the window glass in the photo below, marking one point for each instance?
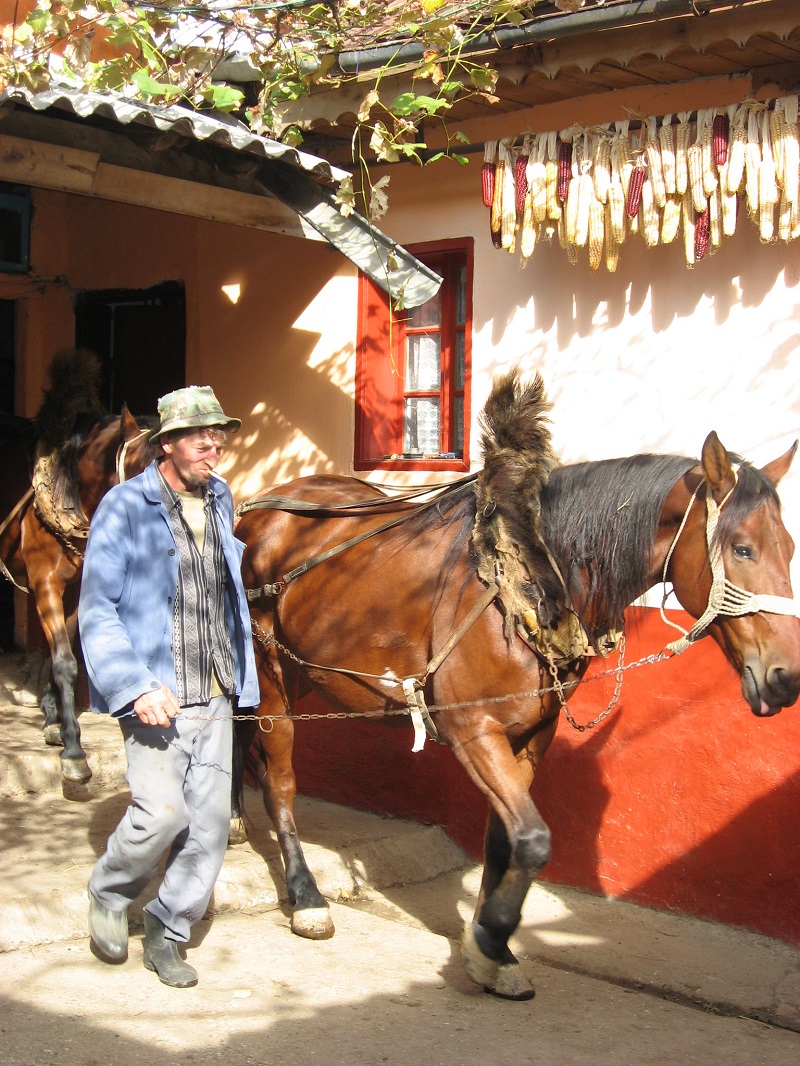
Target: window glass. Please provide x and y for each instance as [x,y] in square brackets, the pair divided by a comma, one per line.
[421,431]
[429,314]
[423,362]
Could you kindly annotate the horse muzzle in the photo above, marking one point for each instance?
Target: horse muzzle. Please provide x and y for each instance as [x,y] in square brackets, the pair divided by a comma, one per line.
[768,692]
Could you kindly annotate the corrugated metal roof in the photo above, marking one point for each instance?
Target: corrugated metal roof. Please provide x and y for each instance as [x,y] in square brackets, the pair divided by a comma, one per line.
[303,182]
[219,130]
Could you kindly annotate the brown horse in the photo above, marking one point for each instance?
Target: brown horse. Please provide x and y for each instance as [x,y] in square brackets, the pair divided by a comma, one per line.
[42,544]
[485,601]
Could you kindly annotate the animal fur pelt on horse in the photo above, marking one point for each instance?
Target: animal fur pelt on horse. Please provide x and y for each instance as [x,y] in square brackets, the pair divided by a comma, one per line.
[70,407]
[517,460]
[73,400]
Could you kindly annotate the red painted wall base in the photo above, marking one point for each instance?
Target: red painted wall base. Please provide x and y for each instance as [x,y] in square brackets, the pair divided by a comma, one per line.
[681,799]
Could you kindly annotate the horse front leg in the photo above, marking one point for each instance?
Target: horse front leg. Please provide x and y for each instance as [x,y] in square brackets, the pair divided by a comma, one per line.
[311,917]
[517,847]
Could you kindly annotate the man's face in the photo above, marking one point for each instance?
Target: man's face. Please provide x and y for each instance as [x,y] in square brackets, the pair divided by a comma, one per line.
[190,457]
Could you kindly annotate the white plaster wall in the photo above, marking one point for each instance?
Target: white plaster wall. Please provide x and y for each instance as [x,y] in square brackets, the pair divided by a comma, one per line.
[651,358]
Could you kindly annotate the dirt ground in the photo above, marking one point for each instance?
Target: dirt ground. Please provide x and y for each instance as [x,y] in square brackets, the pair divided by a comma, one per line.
[617,985]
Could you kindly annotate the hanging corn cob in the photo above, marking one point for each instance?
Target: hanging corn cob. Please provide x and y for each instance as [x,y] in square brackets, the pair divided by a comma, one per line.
[537,180]
[638,174]
[715,218]
[784,218]
[571,212]
[601,167]
[651,225]
[666,141]
[791,151]
[487,172]
[652,149]
[564,168]
[720,132]
[621,156]
[694,158]
[767,186]
[671,220]
[527,236]
[688,220]
[596,231]
[710,177]
[701,235]
[521,176]
[776,126]
[550,152]
[683,135]
[729,201]
[508,216]
[736,149]
[752,162]
[585,199]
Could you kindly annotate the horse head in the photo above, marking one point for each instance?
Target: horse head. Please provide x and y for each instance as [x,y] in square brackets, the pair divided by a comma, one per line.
[727,510]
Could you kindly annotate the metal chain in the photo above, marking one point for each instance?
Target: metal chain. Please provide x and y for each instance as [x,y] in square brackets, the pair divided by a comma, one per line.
[558,686]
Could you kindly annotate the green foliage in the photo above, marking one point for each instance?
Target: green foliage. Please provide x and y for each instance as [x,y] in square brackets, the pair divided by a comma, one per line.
[168,50]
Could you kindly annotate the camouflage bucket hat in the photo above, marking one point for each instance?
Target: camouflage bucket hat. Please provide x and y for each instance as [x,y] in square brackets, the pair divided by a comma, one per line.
[194,407]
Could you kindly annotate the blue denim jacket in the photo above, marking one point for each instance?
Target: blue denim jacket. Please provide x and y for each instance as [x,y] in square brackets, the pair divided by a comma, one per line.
[130,575]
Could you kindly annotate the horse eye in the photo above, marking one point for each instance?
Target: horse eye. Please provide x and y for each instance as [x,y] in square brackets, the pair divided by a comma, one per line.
[742,551]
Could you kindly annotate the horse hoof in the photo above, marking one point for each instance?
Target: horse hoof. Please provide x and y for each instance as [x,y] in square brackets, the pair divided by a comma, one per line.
[511,983]
[75,770]
[313,923]
[237,831]
[480,968]
[52,735]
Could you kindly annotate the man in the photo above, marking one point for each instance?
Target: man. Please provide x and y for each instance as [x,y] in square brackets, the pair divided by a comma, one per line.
[166,640]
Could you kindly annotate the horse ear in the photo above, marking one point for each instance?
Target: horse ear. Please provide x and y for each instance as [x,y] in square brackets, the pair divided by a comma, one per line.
[717,467]
[778,467]
[128,424]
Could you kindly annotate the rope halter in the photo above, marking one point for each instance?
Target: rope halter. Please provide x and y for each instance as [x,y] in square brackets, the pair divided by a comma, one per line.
[724,598]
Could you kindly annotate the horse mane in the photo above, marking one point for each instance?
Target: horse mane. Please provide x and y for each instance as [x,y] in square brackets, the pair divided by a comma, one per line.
[600,519]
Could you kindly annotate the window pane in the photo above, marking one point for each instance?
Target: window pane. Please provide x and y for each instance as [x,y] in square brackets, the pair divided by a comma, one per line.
[429,314]
[458,429]
[421,429]
[461,297]
[461,370]
[423,362]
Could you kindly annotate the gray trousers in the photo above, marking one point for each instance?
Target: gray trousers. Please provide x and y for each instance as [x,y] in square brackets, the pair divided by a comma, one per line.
[180,782]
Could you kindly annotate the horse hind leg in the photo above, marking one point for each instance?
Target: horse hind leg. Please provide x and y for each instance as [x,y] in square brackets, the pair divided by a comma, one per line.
[60,632]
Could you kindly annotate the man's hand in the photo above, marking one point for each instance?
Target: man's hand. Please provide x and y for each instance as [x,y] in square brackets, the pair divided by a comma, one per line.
[157,707]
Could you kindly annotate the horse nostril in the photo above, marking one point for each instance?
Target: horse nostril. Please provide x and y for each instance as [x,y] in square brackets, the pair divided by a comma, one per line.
[783,684]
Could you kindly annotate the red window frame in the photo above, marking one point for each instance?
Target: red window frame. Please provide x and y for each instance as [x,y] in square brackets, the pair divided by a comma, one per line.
[381,360]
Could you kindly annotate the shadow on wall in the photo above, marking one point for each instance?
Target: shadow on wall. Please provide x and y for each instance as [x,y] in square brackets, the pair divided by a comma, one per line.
[761,893]
[741,272]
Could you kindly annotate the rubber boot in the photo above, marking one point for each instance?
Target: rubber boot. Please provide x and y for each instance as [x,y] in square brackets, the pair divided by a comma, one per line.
[108,930]
[161,955]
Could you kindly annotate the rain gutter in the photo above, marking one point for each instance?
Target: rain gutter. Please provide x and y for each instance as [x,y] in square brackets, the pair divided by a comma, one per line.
[541,29]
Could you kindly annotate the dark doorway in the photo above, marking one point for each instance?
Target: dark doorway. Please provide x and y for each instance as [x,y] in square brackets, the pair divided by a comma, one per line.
[7,375]
[139,336]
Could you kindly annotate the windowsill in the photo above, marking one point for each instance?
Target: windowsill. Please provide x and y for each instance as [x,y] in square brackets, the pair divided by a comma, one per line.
[409,461]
